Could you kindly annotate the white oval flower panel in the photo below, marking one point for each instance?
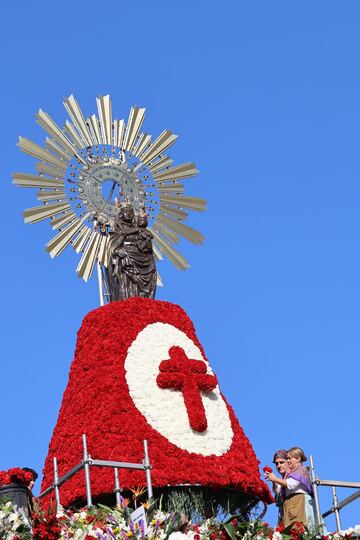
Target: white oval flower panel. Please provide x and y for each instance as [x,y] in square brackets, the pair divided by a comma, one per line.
[164,409]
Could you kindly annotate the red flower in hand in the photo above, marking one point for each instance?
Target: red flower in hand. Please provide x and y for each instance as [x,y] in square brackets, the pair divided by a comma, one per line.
[267,469]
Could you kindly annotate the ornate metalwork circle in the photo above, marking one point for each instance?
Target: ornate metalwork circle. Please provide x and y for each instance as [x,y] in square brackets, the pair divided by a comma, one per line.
[94,186]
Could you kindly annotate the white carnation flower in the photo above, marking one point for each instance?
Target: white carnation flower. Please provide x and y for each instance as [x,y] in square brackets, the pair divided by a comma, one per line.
[177,536]
[277,535]
[79,534]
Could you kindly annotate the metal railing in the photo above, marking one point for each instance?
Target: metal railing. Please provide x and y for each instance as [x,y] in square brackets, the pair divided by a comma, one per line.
[336,505]
[87,462]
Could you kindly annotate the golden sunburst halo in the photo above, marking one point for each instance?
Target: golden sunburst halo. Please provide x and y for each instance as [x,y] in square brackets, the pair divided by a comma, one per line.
[88,164]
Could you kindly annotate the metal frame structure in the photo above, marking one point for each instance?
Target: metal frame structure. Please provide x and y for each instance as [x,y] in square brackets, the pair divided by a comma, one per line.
[80,158]
[86,464]
[336,505]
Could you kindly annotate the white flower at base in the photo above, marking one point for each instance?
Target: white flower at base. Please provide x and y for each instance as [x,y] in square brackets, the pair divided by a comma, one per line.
[178,536]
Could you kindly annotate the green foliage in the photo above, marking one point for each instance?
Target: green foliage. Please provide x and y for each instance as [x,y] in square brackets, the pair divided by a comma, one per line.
[198,502]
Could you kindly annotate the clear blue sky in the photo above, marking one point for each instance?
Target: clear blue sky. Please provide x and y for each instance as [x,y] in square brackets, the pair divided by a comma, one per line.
[265,98]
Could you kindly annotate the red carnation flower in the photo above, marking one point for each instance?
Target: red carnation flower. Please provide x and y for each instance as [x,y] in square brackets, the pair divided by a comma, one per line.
[267,469]
[4,478]
[19,475]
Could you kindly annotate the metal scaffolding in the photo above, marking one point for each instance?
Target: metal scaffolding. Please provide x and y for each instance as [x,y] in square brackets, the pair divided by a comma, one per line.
[336,505]
[86,464]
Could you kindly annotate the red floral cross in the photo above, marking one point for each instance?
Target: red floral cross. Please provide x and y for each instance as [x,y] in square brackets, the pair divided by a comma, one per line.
[181,373]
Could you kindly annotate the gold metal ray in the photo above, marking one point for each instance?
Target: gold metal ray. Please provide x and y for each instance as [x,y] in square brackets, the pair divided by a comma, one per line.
[105,116]
[170,188]
[86,264]
[160,164]
[178,260]
[121,133]
[53,129]
[157,253]
[160,145]
[94,121]
[80,241]
[136,118]
[38,213]
[159,281]
[76,115]
[103,255]
[39,152]
[34,181]
[58,150]
[63,239]
[73,134]
[184,230]
[59,222]
[115,132]
[186,170]
[51,196]
[194,203]
[175,212]
[50,170]
[143,142]
[168,234]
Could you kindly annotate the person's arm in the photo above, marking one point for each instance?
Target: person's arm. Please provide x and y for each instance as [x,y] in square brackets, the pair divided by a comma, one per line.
[280,481]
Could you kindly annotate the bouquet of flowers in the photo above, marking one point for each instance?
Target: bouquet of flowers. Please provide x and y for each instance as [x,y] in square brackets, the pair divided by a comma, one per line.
[13,524]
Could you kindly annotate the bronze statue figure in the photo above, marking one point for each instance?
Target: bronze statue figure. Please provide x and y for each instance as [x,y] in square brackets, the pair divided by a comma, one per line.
[131,269]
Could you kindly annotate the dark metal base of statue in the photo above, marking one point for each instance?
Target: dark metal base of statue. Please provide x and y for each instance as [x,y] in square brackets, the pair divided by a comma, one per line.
[18,493]
[131,267]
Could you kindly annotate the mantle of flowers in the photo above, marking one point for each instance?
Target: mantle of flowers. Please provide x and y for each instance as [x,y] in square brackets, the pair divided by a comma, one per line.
[105,523]
[125,386]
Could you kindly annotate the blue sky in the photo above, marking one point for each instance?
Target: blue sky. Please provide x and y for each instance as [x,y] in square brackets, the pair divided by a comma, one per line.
[265,99]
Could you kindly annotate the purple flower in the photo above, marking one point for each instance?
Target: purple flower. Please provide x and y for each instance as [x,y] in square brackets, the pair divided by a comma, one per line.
[109,531]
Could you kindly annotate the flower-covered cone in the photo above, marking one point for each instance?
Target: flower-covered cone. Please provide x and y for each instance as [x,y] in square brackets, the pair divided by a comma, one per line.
[139,372]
